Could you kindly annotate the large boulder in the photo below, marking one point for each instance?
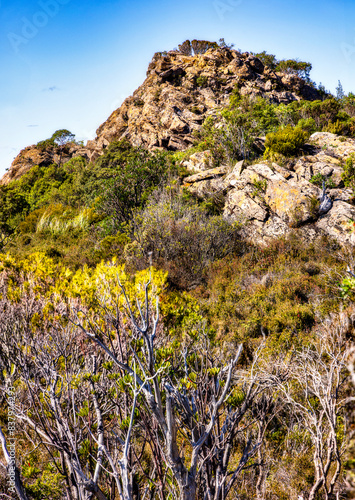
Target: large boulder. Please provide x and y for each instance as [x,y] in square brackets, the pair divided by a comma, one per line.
[198,162]
[339,222]
[291,200]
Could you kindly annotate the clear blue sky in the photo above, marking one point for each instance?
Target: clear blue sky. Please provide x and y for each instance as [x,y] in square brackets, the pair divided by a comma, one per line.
[70,63]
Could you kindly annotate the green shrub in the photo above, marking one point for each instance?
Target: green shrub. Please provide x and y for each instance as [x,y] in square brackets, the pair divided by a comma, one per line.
[202,81]
[307,124]
[349,104]
[180,236]
[342,126]
[322,112]
[259,187]
[231,135]
[317,179]
[348,175]
[124,177]
[313,205]
[47,143]
[112,246]
[287,141]
[279,289]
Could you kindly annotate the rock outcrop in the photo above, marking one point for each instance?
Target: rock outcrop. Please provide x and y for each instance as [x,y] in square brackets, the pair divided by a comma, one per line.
[181,91]
[34,155]
[271,201]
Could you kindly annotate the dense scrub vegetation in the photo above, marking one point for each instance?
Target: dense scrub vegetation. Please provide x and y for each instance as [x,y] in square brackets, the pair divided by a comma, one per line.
[234,384]
[233,134]
[110,193]
[91,344]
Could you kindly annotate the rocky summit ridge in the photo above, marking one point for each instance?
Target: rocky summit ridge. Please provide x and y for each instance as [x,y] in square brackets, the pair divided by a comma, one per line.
[180,91]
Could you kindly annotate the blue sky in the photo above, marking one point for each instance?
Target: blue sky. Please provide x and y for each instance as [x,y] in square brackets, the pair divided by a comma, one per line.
[70,63]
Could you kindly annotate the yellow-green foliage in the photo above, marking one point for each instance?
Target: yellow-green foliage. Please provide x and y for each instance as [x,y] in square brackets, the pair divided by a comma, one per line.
[42,483]
[59,220]
[348,175]
[41,275]
[181,313]
[287,141]
[102,284]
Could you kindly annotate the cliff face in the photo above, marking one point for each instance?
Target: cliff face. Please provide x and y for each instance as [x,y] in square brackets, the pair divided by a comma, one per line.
[178,94]
[180,91]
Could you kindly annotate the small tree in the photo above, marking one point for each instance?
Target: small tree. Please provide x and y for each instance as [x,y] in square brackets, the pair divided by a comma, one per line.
[201,46]
[340,94]
[126,177]
[185,48]
[294,67]
[287,141]
[62,137]
[269,60]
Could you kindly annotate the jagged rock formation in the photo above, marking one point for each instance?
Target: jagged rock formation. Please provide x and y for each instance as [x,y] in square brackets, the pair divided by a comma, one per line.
[271,201]
[34,155]
[181,91]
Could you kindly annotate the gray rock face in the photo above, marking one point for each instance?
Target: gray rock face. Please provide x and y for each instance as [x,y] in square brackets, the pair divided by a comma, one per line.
[271,201]
[240,206]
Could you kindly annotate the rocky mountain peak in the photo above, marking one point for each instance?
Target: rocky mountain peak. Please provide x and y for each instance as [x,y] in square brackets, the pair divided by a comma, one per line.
[180,91]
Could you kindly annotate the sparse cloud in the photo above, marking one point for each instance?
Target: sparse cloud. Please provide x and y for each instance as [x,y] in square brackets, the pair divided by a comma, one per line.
[50,89]
[32,125]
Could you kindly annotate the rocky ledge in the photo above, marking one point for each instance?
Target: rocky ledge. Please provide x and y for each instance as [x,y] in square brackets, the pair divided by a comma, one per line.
[271,201]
